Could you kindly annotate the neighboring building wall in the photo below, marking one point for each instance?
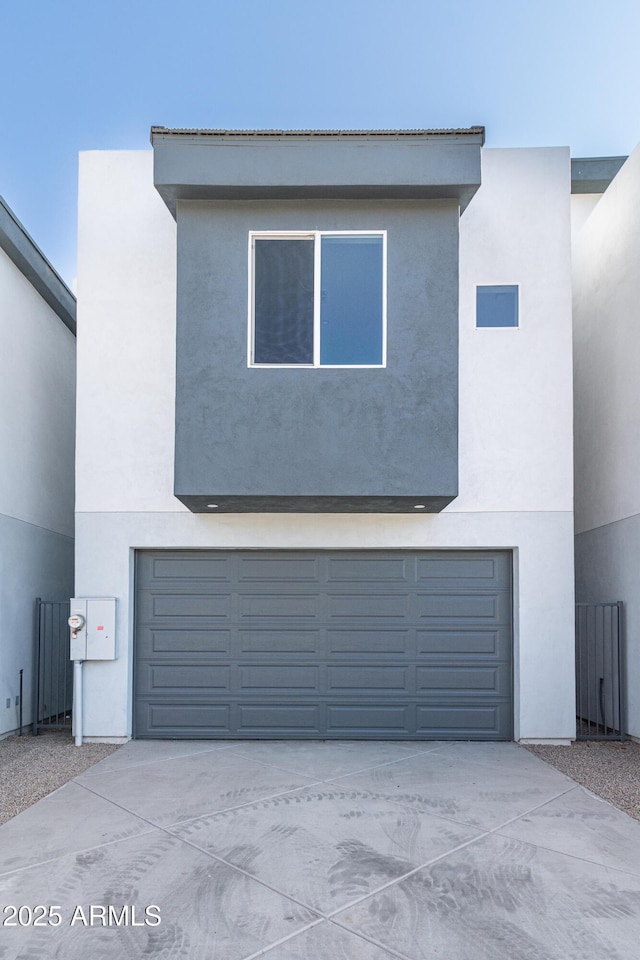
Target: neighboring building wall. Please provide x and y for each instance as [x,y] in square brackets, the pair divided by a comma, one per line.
[607,405]
[37,401]
[515,422]
[582,206]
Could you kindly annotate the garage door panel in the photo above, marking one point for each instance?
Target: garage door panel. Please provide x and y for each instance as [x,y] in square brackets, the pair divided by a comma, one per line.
[363,642]
[466,681]
[464,610]
[457,606]
[461,721]
[283,569]
[345,644]
[369,680]
[386,719]
[457,570]
[171,679]
[285,640]
[180,643]
[368,606]
[160,567]
[187,606]
[187,720]
[278,719]
[282,678]
[378,569]
[192,568]
[283,607]
[466,643]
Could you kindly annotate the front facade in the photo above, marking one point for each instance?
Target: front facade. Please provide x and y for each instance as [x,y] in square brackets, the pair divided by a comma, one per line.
[324,436]
[37,436]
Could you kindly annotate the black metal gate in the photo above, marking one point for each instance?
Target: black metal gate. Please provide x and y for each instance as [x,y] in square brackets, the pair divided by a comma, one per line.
[599,672]
[53,670]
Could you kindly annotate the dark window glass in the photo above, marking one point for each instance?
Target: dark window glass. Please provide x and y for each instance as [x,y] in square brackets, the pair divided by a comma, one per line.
[283,289]
[497,306]
[351,300]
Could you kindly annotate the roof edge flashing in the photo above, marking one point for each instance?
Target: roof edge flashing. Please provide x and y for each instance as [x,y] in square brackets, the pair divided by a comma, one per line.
[474,133]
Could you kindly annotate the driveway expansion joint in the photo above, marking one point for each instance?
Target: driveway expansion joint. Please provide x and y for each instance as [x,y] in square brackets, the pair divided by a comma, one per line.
[78,852]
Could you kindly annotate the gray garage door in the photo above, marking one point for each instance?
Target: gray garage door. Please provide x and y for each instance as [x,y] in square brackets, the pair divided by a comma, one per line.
[320,645]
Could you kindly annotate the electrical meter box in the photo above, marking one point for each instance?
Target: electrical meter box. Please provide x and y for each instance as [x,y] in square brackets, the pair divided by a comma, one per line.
[93,628]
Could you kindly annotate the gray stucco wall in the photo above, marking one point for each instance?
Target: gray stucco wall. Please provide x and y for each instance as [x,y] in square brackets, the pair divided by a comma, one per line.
[34,562]
[371,436]
[607,565]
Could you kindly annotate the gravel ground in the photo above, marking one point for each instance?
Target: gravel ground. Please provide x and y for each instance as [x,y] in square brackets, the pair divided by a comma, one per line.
[609,769]
[31,767]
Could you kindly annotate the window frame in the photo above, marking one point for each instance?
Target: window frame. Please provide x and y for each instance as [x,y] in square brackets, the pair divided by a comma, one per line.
[492,326]
[316,236]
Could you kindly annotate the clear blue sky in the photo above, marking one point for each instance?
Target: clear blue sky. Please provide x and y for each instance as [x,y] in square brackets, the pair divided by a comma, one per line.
[95,74]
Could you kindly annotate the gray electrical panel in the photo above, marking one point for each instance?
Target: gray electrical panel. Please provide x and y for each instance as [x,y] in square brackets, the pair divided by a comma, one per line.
[93,628]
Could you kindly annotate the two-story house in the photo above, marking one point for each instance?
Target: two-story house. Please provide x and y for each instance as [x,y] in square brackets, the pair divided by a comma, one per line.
[37,435]
[324,447]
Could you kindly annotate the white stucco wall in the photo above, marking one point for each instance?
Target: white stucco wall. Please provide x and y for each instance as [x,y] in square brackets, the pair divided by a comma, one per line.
[515,421]
[126,337]
[515,383]
[37,402]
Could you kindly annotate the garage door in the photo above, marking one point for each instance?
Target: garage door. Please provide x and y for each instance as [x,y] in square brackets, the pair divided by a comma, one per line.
[320,645]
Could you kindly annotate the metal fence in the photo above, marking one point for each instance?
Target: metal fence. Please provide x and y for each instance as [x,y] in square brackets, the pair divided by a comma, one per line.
[599,672]
[53,670]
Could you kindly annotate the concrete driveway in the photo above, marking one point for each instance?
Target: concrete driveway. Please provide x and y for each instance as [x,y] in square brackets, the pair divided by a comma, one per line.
[320,851]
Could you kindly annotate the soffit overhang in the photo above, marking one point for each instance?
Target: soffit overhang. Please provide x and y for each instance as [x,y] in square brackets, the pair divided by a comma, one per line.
[321,164]
[594,174]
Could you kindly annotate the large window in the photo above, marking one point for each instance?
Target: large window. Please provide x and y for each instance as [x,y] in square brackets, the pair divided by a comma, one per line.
[318,299]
